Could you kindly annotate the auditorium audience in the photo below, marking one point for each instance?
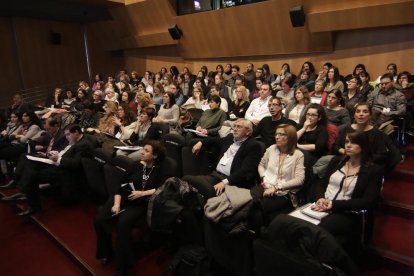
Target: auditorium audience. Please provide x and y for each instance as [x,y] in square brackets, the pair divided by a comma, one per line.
[352,179]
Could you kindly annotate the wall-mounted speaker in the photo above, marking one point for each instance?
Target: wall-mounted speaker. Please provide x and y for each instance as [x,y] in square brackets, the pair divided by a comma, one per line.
[175,32]
[297,16]
[55,38]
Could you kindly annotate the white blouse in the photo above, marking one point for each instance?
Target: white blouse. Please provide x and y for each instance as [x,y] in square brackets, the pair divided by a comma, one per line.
[291,174]
[341,187]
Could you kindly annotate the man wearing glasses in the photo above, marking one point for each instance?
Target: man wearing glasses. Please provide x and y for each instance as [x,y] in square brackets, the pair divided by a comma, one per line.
[266,127]
[239,158]
[386,102]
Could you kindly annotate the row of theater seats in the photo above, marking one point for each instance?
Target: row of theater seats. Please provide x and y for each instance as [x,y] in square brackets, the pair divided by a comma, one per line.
[242,254]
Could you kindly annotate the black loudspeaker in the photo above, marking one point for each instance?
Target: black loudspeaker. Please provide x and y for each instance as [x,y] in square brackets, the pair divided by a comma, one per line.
[175,32]
[297,16]
[55,38]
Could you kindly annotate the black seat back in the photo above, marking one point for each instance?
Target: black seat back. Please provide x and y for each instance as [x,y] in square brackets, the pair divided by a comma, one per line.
[94,172]
[118,170]
[196,164]
[174,143]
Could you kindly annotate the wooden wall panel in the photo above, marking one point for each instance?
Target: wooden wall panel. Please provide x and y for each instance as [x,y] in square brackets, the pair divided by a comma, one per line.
[102,60]
[340,15]
[44,63]
[154,58]
[259,29]
[9,71]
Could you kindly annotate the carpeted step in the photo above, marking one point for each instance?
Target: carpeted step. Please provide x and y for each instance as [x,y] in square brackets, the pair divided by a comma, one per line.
[393,237]
[72,226]
[405,170]
[399,194]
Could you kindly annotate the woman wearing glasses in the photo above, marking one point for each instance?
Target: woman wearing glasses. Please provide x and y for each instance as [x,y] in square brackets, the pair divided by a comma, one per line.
[313,135]
[282,172]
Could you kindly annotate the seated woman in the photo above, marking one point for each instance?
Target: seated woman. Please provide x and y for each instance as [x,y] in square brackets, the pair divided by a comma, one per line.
[240,105]
[169,112]
[286,93]
[68,100]
[256,92]
[78,105]
[297,107]
[304,79]
[124,122]
[365,87]
[144,130]
[111,95]
[158,93]
[351,183]
[313,135]
[319,95]
[336,113]
[97,101]
[283,77]
[376,138]
[282,171]
[12,125]
[333,81]
[29,128]
[128,99]
[212,119]
[143,100]
[196,100]
[200,84]
[126,207]
[353,95]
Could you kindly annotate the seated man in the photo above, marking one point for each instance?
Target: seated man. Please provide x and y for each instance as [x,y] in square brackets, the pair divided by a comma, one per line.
[238,160]
[387,102]
[267,126]
[63,168]
[258,108]
[52,139]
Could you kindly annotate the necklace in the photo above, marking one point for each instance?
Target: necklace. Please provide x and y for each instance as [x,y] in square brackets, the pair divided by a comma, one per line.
[347,174]
[145,176]
[282,157]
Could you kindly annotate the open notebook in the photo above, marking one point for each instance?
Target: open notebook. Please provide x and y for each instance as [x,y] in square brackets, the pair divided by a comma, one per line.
[306,213]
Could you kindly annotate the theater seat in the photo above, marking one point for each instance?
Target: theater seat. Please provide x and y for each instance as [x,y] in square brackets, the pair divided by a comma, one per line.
[94,172]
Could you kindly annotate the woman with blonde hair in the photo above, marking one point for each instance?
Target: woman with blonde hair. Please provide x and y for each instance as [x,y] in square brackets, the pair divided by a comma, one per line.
[106,122]
[240,104]
[158,93]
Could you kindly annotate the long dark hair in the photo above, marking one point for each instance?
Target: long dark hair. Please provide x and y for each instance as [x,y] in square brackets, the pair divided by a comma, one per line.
[361,139]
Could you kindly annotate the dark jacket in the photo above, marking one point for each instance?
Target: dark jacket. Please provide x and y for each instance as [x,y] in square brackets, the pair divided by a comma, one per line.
[243,171]
[366,192]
